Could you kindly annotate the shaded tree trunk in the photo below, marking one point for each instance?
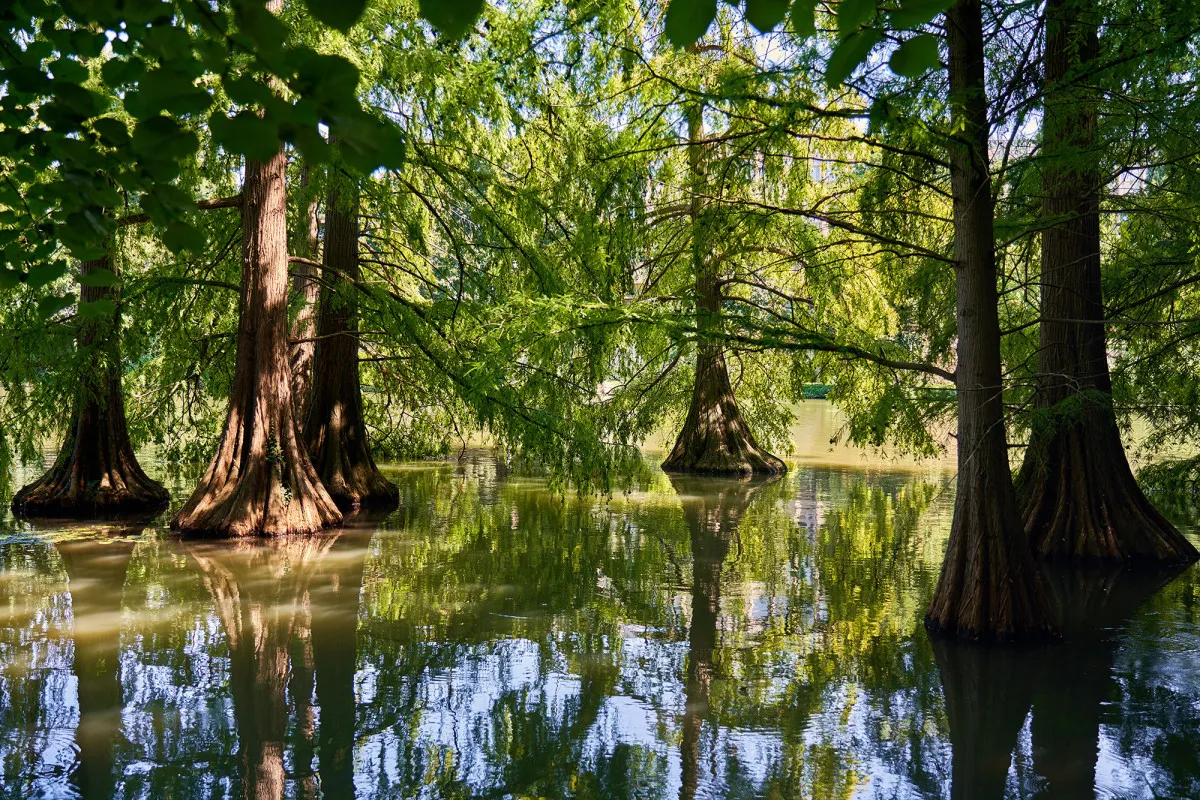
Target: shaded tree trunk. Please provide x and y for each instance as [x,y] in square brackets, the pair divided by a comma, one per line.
[715,439]
[306,285]
[989,587]
[335,432]
[1076,491]
[96,574]
[96,473]
[261,481]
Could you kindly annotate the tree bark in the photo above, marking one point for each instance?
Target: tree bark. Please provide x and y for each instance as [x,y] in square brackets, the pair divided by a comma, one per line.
[715,439]
[96,473]
[306,285]
[335,431]
[1076,492]
[261,481]
[96,574]
[989,588]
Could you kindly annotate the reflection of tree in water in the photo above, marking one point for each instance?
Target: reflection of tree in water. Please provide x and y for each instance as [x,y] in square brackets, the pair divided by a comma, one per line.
[499,623]
[712,508]
[990,691]
[95,578]
[268,594]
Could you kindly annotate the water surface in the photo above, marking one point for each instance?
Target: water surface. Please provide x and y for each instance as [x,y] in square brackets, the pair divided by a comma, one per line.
[696,638]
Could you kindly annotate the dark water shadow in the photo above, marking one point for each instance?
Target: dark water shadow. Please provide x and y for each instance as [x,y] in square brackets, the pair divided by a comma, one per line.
[990,691]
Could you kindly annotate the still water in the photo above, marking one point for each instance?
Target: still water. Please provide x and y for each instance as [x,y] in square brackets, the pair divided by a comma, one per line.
[696,638]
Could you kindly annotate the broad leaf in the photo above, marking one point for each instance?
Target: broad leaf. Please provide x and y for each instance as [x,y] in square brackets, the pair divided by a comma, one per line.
[848,55]
[452,18]
[97,310]
[688,20]
[803,18]
[766,14]
[98,276]
[914,13]
[916,56]
[340,14]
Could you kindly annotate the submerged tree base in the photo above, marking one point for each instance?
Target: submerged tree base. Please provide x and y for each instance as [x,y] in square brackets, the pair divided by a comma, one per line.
[989,589]
[1080,502]
[716,440]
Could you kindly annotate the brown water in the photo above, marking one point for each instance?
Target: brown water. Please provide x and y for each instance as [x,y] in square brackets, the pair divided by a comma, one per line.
[696,638]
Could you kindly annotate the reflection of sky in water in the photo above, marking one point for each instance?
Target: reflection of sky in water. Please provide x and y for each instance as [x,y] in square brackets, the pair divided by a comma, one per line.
[511,643]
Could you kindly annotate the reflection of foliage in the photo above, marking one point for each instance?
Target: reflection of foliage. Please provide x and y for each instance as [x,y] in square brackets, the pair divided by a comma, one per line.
[500,616]
[38,712]
[515,642]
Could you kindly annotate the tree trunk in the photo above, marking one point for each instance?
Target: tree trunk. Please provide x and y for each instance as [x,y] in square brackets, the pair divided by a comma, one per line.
[715,439]
[261,481]
[335,431]
[96,575]
[306,285]
[96,473]
[1076,492]
[989,588]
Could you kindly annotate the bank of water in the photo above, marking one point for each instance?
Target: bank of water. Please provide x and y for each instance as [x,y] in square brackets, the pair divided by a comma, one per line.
[694,638]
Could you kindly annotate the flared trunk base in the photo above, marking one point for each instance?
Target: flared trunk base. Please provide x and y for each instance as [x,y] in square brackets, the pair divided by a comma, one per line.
[96,476]
[989,589]
[716,439]
[1080,502]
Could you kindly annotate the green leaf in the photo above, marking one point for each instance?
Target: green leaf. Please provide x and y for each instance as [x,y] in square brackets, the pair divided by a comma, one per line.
[688,20]
[914,13]
[97,310]
[916,56]
[846,57]
[854,14]
[803,18]
[112,131]
[452,18]
[340,14]
[9,279]
[180,236]
[49,306]
[64,69]
[42,274]
[764,15]
[98,276]
[246,133]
